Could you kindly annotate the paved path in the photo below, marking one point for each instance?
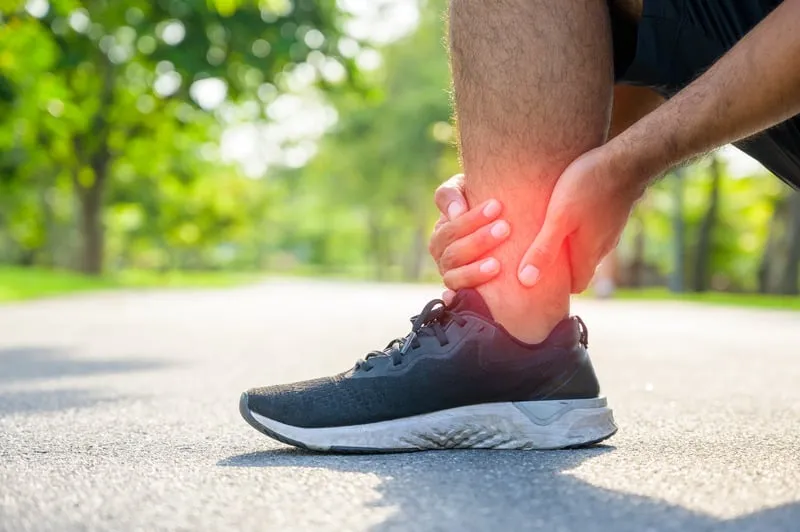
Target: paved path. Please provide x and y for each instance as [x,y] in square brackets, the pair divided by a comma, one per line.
[118,411]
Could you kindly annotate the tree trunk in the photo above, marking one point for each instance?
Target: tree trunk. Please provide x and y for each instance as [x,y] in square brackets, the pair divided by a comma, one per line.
[778,272]
[789,280]
[706,233]
[92,228]
[376,245]
[636,279]
[771,255]
[93,150]
[676,283]
[419,252]
[766,266]
[48,252]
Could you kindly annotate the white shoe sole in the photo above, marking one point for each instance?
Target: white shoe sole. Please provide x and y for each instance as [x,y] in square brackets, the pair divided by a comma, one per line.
[522,425]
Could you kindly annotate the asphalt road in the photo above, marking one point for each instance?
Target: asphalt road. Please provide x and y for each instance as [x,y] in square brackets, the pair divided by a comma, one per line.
[118,411]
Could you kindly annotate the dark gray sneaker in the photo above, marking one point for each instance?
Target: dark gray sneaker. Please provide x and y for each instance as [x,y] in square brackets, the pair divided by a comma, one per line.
[458,380]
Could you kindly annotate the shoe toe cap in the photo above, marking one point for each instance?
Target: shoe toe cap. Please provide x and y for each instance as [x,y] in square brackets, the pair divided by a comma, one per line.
[317,403]
[265,402]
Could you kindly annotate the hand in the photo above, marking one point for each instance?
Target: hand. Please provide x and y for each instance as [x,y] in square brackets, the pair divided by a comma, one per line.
[589,207]
[462,238]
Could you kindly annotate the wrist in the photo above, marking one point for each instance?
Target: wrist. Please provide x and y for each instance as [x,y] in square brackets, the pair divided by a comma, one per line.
[636,160]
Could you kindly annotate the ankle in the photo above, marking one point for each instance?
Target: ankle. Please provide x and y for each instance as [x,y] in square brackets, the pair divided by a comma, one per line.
[527,321]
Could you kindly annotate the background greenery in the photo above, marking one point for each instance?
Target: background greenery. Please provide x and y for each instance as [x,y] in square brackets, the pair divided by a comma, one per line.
[288,135]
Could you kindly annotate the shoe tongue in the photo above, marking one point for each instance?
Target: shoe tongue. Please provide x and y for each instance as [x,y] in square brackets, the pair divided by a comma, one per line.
[469,300]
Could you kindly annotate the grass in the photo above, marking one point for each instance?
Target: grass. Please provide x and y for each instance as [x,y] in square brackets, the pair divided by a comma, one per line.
[714,298]
[17,284]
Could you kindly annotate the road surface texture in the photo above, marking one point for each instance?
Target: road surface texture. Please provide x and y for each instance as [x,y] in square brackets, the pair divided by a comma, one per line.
[118,411]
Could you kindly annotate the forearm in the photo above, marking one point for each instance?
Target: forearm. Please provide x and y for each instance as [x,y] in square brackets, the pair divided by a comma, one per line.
[753,87]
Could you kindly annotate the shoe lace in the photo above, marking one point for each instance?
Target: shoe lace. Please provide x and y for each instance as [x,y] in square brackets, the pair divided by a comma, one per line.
[584,331]
[429,322]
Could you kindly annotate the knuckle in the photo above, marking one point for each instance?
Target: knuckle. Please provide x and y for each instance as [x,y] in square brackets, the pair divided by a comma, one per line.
[432,246]
[446,234]
[454,182]
[436,244]
[449,259]
[442,197]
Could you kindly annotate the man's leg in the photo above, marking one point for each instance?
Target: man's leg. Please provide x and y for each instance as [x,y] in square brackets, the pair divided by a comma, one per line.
[533,86]
[533,82]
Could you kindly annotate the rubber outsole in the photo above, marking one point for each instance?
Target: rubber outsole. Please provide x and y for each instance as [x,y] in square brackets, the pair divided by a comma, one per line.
[244,410]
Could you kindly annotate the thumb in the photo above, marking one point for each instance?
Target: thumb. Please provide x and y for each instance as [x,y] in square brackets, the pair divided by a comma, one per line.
[543,252]
[450,198]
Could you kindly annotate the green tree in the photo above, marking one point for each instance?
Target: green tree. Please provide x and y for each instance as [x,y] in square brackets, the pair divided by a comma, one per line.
[85,79]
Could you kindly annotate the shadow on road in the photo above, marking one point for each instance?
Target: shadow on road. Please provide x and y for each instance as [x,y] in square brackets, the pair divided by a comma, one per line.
[49,401]
[24,365]
[510,490]
[34,363]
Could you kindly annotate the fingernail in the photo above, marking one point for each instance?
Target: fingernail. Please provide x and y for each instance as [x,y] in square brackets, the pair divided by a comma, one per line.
[529,275]
[454,210]
[492,209]
[447,296]
[500,229]
[490,266]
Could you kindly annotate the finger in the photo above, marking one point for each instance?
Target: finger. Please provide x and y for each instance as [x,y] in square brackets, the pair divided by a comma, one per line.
[448,296]
[474,246]
[472,221]
[544,250]
[471,275]
[450,198]
[440,222]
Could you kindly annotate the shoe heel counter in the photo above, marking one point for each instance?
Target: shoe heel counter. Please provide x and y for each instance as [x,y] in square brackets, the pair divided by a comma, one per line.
[583,383]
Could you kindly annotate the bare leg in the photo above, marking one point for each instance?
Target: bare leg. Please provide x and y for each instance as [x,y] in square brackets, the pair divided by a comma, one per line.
[533,81]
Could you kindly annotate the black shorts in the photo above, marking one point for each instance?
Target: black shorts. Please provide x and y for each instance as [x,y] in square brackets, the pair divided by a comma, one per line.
[677,40]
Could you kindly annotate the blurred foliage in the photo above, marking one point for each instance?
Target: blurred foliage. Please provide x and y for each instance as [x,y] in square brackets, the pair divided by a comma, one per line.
[103,102]
[738,235]
[113,116]
[369,190]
